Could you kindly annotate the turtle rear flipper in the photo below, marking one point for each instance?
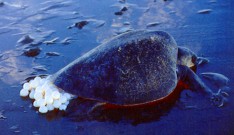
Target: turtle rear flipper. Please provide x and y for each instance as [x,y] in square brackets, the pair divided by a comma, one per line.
[98,108]
[103,111]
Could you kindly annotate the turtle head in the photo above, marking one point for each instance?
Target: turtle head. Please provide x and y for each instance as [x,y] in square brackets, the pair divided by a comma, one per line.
[186,57]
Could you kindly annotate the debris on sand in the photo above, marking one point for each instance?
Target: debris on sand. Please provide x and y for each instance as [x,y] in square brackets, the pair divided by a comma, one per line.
[204,11]
[25,40]
[52,54]
[93,23]
[124,9]
[66,41]
[153,24]
[126,23]
[2,4]
[212,1]
[39,68]
[122,1]
[99,23]
[14,127]
[118,13]
[121,11]
[80,24]
[123,30]
[2,116]
[52,41]
[35,133]
[32,52]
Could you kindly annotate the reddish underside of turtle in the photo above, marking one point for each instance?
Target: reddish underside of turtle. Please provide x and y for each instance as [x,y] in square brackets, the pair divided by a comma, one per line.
[169,99]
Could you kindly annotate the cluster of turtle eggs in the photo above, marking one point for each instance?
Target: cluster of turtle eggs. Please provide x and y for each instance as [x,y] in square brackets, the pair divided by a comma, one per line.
[46,96]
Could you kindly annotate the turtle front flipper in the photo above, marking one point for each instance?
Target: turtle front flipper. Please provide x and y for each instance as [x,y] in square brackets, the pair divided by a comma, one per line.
[195,83]
[220,98]
[217,79]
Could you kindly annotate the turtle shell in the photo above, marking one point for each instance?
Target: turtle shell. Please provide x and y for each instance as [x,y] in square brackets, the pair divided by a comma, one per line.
[132,68]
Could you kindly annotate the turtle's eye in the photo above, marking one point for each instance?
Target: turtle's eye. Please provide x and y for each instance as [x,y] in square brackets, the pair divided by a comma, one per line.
[194,59]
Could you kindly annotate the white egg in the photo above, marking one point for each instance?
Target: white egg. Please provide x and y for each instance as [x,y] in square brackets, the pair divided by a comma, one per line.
[63,99]
[49,90]
[31,95]
[66,103]
[49,100]
[56,103]
[68,96]
[48,94]
[35,104]
[33,83]
[43,109]
[63,107]
[38,95]
[24,92]
[46,86]
[26,86]
[56,95]
[37,83]
[42,81]
[50,107]
[52,88]
[38,78]
[38,89]
[41,102]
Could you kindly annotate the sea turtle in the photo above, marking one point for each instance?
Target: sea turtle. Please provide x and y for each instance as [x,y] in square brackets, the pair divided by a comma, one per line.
[132,69]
